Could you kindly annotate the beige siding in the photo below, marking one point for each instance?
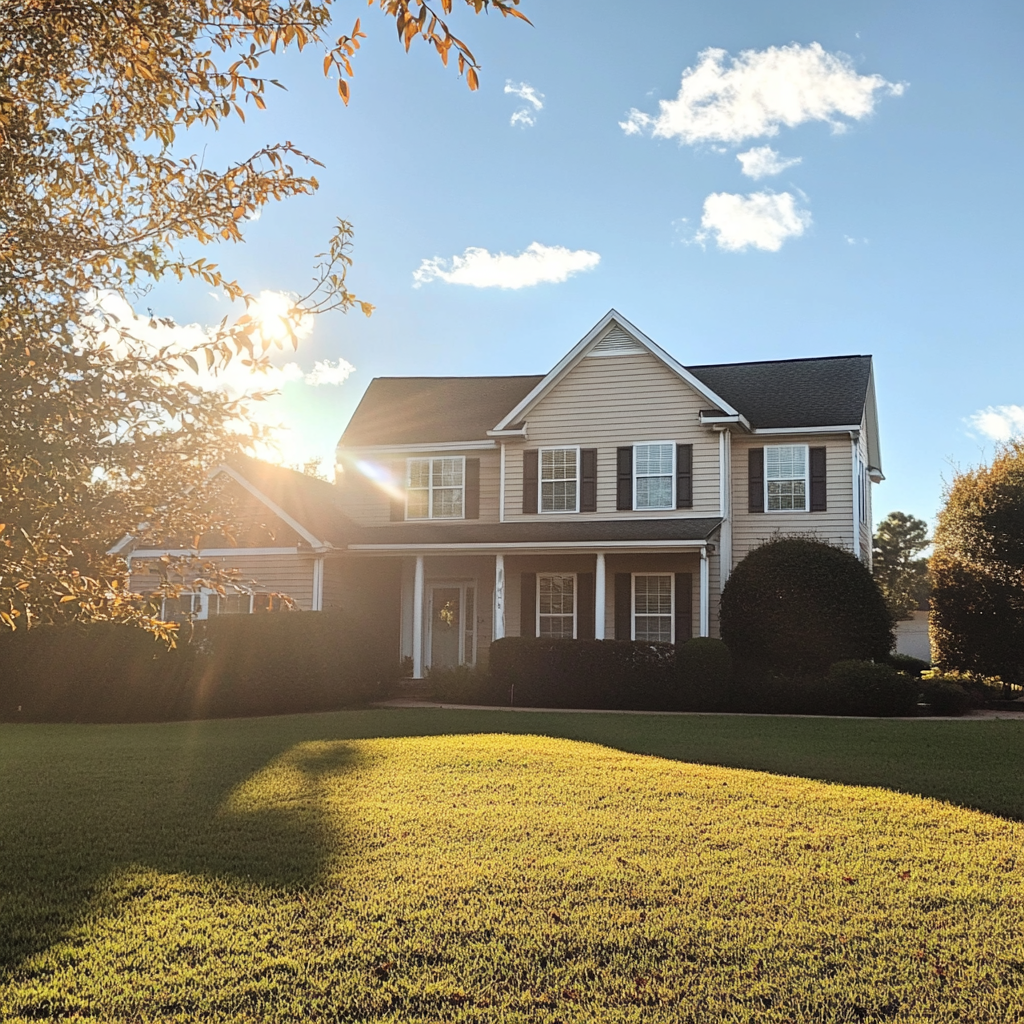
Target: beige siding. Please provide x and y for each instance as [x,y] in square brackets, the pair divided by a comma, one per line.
[605,403]
[751,529]
[290,574]
[370,504]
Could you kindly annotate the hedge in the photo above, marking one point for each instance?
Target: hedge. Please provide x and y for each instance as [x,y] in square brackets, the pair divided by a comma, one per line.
[235,666]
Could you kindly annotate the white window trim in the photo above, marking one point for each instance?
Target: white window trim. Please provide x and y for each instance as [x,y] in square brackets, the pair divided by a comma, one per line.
[575,602]
[655,508]
[430,488]
[632,602]
[540,484]
[204,594]
[807,481]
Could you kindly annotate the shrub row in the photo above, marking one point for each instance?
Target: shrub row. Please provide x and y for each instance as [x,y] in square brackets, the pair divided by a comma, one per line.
[235,666]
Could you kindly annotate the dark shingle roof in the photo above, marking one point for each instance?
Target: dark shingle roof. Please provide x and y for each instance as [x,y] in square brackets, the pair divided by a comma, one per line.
[793,392]
[537,532]
[410,410]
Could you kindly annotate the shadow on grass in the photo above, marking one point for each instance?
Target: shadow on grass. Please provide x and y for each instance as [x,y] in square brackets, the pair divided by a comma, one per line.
[222,800]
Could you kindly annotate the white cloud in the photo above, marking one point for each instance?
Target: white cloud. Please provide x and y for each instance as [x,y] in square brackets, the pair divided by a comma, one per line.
[999,422]
[537,264]
[726,99]
[762,220]
[326,372]
[763,162]
[524,116]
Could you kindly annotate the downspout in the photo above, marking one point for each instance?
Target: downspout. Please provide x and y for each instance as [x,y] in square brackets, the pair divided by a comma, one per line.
[725,503]
[704,595]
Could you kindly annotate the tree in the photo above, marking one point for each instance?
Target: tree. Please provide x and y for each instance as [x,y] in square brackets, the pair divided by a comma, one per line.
[99,426]
[796,606]
[902,577]
[977,570]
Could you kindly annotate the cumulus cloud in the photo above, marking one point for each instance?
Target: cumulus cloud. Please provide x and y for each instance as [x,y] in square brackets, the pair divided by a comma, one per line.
[762,220]
[999,422]
[725,99]
[763,162]
[524,116]
[326,372]
[478,268]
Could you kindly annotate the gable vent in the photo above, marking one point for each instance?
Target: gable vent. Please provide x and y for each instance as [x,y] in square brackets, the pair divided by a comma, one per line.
[616,342]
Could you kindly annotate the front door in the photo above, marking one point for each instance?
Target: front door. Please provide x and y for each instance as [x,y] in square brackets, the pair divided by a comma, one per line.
[450,625]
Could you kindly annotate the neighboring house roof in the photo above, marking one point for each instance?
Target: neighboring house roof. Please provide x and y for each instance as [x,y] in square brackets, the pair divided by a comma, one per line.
[829,391]
[596,530]
[412,410]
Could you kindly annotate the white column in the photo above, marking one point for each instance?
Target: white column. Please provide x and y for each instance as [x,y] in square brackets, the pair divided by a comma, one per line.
[318,585]
[499,596]
[725,500]
[599,585]
[417,620]
[704,601]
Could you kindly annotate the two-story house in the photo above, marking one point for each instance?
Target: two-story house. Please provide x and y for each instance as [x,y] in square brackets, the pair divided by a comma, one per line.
[608,498]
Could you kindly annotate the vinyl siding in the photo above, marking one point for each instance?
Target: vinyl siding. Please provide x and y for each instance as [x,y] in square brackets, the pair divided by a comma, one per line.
[605,403]
[369,505]
[751,529]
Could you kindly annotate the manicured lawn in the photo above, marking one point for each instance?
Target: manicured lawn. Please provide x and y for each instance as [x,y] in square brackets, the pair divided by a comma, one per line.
[366,866]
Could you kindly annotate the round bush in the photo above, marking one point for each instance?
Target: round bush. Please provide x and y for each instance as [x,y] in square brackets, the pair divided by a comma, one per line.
[795,606]
[864,688]
[704,669]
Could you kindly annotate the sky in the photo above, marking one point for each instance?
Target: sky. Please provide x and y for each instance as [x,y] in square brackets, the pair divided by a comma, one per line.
[742,180]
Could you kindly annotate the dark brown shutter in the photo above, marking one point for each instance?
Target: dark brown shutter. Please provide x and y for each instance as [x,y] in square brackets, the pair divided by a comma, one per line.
[819,502]
[624,480]
[684,476]
[472,488]
[530,481]
[755,479]
[588,479]
[623,605]
[585,606]
[684,606]
[400,478]
[528,603]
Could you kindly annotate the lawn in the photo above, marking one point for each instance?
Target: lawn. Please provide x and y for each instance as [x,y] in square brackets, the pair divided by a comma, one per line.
[430,865]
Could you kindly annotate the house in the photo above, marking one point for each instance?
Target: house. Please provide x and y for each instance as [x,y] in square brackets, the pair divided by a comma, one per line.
[608,498]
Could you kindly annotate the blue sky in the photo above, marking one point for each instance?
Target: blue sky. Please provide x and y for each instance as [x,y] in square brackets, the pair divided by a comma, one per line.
[897,234]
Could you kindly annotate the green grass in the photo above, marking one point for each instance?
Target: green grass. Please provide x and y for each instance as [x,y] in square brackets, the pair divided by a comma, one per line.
[366,866]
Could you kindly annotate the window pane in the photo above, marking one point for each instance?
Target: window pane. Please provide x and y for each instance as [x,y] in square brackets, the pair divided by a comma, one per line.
[786,495]
[448,503]
[654,492]
[558,464]
[654,459]
[556,594]
[558,496]
[419,504]
[447,472]
[785,462]
[556,627]
[653,595]
[419,472]
[657,628]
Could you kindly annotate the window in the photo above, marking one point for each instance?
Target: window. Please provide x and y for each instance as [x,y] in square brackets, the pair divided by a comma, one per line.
[559,480]
[556,606]
[654,467]
[653,607]
[785,475]
[205,604]
[436,488]
[862,488]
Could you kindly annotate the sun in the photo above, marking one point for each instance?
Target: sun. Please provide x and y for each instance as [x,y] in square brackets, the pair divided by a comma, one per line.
[275,319]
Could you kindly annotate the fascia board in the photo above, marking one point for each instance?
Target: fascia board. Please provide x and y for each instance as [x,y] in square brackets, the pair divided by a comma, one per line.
[580,350]
[843,428]
[871,425]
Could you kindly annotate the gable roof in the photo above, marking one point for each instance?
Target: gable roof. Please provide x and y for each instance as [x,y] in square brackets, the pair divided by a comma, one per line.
[411,410]
[829,391]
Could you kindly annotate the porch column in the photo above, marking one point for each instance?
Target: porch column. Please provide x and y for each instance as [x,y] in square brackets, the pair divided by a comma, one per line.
[704,595]
[599,597]
[499,596]
[417,620]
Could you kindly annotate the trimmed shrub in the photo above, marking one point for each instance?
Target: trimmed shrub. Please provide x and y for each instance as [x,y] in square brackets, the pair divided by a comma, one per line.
[866,688]
[794,606]
[465,685]
[601,674]
[236,666]
[947,698]
[704,671]
[909,666]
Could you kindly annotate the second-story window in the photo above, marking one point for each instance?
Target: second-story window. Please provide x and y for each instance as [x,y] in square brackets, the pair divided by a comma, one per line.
[559,480]
[653,475]
[785,475]
[436,488]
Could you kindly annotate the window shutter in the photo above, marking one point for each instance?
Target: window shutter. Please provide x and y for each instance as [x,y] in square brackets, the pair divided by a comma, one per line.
[623,605]
[684,476]
[585,606]
[472,488]
[588,479]
[755,479]
[624,480]
[819,502]
[529,481]
[528,603]
[398,476]
[684,606]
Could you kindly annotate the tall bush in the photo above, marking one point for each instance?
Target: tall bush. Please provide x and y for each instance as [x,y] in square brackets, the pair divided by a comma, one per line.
[795,606]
